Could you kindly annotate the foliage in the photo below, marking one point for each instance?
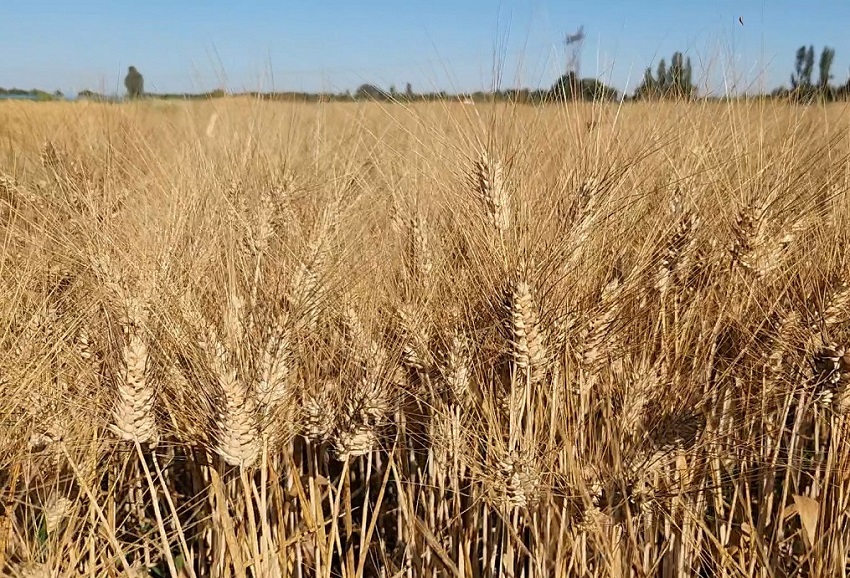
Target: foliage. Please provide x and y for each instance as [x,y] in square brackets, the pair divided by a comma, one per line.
[370,92]
[673,82]
[803,88]
[568,87]
[33,94]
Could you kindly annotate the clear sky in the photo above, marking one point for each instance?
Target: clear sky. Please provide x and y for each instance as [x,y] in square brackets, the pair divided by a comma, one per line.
[197,45]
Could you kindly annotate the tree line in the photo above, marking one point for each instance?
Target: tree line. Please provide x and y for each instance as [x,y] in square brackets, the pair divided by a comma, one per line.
[673,81]
[803,87]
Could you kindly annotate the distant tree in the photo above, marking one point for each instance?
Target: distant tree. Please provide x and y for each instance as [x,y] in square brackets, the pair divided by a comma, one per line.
[809,66]
[408,91]
[827,56]
[370,92]
[802,86]
[662,77]
[134,82]
[679,82]
[567,87]
[799,63]
[675,81]
[648,87]
[676,70]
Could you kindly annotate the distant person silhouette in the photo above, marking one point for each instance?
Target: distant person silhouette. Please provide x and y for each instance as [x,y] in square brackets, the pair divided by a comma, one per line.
[134,82]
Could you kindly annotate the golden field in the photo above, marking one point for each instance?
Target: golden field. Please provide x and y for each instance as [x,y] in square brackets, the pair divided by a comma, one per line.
[266,340]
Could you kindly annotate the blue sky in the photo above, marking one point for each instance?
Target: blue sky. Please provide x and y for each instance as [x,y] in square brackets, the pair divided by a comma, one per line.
[196,45]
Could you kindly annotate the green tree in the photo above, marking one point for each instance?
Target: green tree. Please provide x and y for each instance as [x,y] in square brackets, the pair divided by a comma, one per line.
[662,77]
[675,81]
[370,92]
[808,67]
[799,64]
[567,87]
[679,77]
[827,56]
[648,87]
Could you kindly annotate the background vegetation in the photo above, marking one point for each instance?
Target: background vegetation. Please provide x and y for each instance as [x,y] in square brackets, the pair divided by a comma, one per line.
[675,82]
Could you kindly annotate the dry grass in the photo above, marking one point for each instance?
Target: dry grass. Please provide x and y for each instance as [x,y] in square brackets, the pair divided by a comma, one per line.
[438,340]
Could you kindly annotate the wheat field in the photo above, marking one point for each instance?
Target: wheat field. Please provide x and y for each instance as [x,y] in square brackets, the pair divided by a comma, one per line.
[264,339]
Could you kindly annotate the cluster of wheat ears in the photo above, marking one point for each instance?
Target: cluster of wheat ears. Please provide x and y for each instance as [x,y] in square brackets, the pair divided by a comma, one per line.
[348,340]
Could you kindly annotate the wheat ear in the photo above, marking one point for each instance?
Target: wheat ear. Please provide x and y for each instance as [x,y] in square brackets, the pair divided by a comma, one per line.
[236,435]
[456,370]
[490,183]
[419,258]
[678,253]
[416,354]
[133,406]
[273,387]
[529,347]
[133,412]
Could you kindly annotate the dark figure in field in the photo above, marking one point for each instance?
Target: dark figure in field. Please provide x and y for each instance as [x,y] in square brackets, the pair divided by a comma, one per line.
[134,82]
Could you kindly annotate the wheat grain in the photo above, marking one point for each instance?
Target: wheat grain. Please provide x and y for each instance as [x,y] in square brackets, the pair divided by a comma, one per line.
[133,413]
[237,436]
[365,412]
[835,308]
[236,429]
